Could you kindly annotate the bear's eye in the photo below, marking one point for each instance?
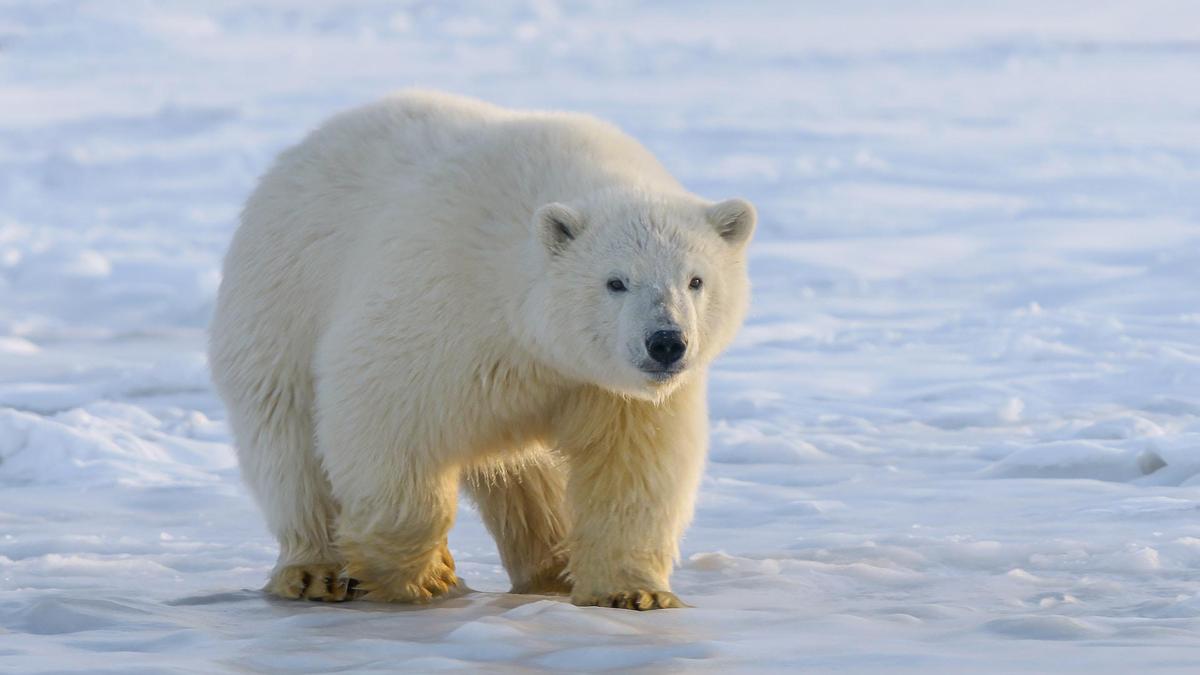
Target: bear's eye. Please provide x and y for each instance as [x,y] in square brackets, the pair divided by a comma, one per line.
[616,286]
[695,283]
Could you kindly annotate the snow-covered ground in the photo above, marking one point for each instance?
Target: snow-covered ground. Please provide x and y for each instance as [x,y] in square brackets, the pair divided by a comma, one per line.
[960,432]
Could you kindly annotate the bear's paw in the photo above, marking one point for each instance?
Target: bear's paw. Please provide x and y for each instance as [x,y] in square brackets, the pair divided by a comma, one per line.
[434,579]
[639,599]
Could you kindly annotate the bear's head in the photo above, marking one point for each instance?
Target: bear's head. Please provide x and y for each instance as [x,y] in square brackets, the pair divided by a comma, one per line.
[637,292]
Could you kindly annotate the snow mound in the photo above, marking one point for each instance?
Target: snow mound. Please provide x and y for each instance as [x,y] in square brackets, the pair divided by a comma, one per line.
[1077,459]
[106,443]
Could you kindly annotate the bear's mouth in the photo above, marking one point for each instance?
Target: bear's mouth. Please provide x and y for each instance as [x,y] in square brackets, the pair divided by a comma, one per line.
[658,373]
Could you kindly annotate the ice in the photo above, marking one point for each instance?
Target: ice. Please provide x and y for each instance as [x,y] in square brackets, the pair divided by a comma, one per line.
[959,433]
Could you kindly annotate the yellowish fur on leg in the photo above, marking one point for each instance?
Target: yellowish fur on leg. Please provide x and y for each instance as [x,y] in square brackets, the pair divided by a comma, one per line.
[320,581]
[634,469]
[395,548]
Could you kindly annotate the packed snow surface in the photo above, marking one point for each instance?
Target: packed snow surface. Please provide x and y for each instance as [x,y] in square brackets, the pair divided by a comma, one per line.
[960,432]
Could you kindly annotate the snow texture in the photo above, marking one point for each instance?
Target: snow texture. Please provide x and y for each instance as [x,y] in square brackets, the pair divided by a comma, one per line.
[960,432]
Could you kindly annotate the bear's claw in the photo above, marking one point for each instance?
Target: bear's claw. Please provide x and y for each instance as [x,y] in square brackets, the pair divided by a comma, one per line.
[319,581]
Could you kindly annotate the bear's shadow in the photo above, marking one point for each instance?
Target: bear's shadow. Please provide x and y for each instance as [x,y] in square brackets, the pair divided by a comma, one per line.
[485,602]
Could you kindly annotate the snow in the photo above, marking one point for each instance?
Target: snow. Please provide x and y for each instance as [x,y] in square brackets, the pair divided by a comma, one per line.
[960,432]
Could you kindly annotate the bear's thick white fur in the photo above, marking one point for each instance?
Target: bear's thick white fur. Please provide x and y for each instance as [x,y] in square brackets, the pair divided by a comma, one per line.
[430,288]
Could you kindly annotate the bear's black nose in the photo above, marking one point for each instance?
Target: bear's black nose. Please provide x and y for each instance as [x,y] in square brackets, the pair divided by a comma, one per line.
[666,346]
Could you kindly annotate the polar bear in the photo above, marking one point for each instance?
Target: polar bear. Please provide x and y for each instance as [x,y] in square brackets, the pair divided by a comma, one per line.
[432,290]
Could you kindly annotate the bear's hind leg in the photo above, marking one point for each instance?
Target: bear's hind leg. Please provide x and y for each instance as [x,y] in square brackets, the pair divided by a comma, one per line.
[521,501]
[273,426]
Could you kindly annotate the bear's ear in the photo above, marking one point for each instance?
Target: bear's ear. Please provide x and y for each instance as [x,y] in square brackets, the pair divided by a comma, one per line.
[557,225]
[733,219]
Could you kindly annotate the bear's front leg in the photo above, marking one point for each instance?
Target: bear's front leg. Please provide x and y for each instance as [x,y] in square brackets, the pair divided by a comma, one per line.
[634,470]
[395,543]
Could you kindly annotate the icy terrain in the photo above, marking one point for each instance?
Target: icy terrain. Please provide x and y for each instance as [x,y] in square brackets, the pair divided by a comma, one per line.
[960,432]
